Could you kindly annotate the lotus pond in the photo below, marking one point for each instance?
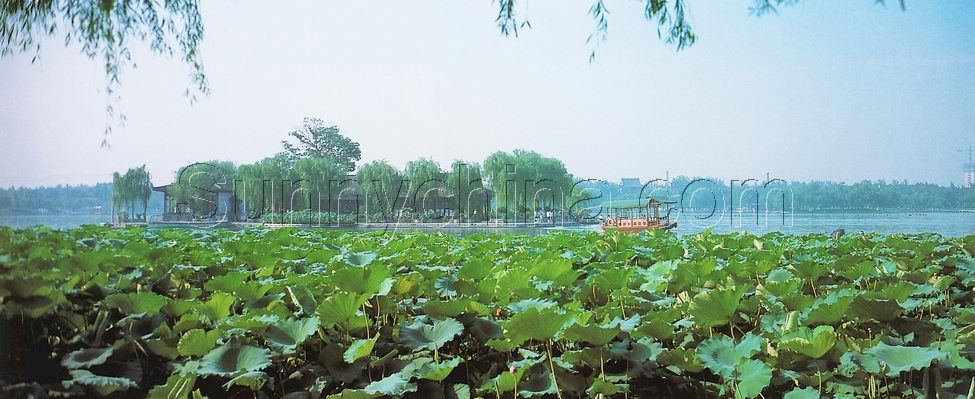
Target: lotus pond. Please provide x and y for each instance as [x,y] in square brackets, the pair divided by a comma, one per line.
[99,312]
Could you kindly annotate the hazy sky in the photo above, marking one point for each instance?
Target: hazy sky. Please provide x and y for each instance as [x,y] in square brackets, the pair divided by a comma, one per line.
[824,90]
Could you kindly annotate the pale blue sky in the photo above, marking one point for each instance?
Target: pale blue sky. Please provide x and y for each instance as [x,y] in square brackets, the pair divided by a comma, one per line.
[824,90]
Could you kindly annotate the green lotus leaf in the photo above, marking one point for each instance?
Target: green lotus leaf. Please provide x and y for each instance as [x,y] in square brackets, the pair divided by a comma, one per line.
[197,342]
[955,357]
[504,382]
[392,385]
[753,376]
[137,302]
[804,393]
[226,283]
[338,370]
[532,303]
[359,259]
[31,306]
[683,359]
[797,301]
[604,388]
[85,358]
[462,391]
[610,280]
[540,325]
[537,381]
[715,307]
[449,308]
[253,380]
[404,285]
[812,343]
[446,286]
[367,281]
[870,309]
[103,385]
[303,298]
[475,269]
[353,394]
[359,349]
[591,333]
[558,271]
[428,369]
[217,307]
[288,334]
[718,354]
[692,274]
[482,328]
[656,276]
[656,328]
[626,325]
[176,387]
[904,358]
[339,308]
[27,287]
[721,355]
[516,282]
[230,359]
[506,345]
[809,269]
[781,288]
[163,347]
[253,290]
[829,310]
[421,335]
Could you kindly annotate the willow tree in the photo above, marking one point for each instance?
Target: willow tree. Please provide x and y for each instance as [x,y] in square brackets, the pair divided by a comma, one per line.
[131,188]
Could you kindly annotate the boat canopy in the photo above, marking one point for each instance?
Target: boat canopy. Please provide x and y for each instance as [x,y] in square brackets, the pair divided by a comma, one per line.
[633,203]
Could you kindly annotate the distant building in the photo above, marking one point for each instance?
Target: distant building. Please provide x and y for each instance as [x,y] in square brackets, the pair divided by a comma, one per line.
[969,169]
[630,182]
[630,187]
[970,175]
[229,207]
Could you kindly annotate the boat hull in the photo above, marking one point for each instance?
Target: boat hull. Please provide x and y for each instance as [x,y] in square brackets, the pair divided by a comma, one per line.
[638,229]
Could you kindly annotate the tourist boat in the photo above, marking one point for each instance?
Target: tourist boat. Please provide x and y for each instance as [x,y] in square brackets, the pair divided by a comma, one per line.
[636,217]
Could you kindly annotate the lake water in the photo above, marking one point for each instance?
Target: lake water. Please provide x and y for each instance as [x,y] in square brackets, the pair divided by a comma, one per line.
[55,221]
[946,223]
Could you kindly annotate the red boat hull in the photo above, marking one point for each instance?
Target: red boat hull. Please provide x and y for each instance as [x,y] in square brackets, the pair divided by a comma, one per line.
[636,228]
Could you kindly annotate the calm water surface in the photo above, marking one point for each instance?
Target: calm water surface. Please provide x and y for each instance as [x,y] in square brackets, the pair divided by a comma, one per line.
[946,223]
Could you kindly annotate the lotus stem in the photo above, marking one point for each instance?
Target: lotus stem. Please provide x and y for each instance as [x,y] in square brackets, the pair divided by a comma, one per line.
[551,366]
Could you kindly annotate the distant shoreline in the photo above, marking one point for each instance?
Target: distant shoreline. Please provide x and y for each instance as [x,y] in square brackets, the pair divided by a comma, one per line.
[800,211]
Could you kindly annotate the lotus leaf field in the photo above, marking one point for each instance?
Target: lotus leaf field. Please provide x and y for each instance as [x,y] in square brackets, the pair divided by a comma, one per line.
[101,312]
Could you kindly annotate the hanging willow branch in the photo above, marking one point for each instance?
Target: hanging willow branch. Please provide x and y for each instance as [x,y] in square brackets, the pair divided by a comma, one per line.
[104,29]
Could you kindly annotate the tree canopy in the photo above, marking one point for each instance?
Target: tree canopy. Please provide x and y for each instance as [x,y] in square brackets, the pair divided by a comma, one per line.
[131,188]
[317,139]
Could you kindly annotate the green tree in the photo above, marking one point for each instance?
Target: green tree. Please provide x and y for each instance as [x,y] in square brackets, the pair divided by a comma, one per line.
[465,183]
[380,183]
[317,177]
[426,178]
[131,188]
[317,139]
[525,180]
[424,174]
[196,185]
[268,185]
